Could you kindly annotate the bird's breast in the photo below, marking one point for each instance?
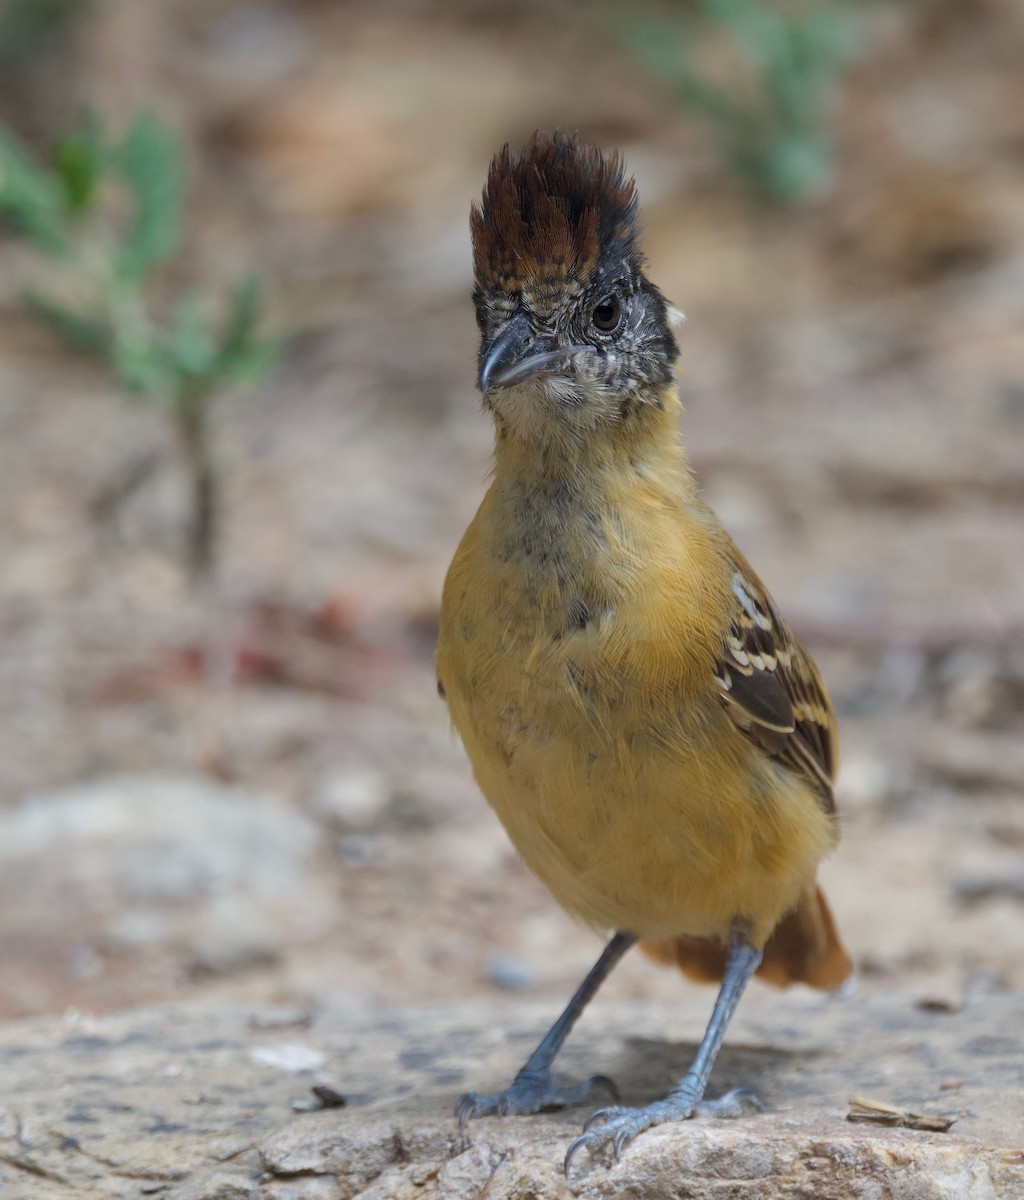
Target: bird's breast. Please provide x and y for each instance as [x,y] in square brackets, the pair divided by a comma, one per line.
[577,660]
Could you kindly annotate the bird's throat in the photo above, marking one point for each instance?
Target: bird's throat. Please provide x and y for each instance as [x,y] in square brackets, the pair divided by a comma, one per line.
[575,516]
[641,453]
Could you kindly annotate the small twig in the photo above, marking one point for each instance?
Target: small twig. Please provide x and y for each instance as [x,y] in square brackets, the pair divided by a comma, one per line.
[192,417]
[877,1112]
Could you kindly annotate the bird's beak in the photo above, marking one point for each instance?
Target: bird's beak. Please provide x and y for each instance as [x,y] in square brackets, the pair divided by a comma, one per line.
[518,353]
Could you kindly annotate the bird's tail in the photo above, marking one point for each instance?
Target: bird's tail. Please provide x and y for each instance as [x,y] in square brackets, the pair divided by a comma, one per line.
[804,948]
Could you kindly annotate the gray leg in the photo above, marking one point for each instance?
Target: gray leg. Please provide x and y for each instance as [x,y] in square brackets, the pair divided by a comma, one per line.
[616,1126]
[532,1089]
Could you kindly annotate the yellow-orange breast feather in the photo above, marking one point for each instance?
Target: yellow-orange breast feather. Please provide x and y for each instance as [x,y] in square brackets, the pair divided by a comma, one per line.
[581,664]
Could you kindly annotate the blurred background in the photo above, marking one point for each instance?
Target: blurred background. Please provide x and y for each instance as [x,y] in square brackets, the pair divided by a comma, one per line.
[239,441]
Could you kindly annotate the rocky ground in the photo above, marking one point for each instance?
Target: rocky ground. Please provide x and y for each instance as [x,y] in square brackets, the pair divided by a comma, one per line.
[193,1103]
[250,793]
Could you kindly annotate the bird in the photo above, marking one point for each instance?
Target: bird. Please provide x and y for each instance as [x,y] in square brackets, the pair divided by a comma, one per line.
[657,743]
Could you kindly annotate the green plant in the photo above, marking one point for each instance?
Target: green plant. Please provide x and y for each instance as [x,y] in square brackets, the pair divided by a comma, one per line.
[771,111]
[178,355]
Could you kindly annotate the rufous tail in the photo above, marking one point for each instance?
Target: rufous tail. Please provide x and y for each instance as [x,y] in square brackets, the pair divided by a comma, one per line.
[804,948]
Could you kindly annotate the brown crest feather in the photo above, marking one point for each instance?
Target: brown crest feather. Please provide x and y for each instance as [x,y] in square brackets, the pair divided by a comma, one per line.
[561,209]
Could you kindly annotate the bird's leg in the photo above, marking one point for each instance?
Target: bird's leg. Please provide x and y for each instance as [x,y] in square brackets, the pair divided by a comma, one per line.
[532,1089]
[616,1126]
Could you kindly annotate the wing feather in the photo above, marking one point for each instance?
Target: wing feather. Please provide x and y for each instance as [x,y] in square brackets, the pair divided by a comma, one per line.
[772,690]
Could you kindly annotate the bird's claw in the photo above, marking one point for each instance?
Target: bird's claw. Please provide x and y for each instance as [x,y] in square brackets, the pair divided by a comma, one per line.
[729,1105]
[529,1096]
[602,1115]
[614,1127]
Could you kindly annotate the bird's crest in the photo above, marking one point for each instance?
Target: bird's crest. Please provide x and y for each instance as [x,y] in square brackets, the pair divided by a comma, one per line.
[561,210]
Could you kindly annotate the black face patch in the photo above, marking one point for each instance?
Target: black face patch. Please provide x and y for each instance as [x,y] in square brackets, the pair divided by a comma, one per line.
[640,353]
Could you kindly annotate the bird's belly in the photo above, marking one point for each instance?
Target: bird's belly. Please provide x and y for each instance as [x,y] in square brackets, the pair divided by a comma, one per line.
[616,804]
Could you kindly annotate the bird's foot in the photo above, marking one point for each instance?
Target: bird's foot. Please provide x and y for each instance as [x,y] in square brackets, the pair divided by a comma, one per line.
[613,1128]
[530,1092]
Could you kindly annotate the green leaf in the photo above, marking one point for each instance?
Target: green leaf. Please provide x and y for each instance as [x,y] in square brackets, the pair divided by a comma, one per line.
[662,47]
[757,31]
[31,197]
[191,343]
[80,159]
[241,354]
[772,121]
[257,361]
[150,161]
[85,334]
[799,165]
[242,317]
[141,365]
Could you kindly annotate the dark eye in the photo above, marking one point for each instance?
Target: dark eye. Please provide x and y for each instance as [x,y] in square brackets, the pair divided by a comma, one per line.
[608,314]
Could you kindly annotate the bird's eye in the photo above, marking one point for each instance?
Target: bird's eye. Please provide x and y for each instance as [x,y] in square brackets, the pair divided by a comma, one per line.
[608,314]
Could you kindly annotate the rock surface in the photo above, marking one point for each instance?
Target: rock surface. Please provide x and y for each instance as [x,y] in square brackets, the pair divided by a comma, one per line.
[195,1103]
[173,874]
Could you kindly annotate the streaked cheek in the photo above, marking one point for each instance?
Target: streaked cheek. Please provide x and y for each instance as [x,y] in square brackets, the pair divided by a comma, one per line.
[560,390]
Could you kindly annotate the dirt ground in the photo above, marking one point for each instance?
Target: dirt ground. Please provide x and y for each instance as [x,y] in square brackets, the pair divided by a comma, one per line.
[855,411]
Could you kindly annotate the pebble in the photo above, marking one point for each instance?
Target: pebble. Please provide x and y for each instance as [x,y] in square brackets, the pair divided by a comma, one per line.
[351,798]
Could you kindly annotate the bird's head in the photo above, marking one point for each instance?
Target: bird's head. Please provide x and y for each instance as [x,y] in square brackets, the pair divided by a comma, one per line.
[574,337]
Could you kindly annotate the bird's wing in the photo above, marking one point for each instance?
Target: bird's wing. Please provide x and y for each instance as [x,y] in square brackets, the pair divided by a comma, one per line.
[772,689]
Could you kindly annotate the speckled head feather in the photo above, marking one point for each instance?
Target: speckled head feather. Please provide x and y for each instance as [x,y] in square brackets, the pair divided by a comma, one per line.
[561,209]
